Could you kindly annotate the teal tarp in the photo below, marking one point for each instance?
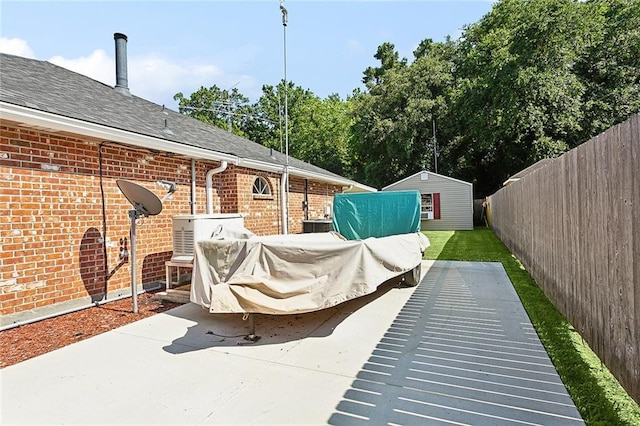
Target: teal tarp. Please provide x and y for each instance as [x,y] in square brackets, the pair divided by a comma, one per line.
[376,214]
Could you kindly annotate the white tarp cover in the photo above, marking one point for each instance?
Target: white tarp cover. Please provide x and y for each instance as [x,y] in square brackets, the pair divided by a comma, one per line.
[285,274]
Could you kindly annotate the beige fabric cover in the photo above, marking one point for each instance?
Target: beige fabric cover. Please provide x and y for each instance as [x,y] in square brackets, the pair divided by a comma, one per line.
[285,274]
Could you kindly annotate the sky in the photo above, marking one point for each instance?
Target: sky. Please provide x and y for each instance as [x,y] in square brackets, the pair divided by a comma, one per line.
[180,46]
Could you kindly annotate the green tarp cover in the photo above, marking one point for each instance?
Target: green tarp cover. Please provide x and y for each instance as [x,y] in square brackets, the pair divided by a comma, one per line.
[376,214]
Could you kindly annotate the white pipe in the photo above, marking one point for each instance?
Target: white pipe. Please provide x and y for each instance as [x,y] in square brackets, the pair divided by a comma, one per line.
[193,186]
[284,182]
[209,183]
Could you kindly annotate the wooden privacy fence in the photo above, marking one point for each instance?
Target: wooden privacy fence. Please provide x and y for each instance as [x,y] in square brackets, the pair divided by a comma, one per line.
[575,225]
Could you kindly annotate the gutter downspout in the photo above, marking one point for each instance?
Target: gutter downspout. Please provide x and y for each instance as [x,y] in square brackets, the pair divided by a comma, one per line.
[209,184]
[193,186]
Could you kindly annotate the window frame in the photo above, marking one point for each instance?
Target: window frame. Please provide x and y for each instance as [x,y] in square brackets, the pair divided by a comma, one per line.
[261,188]
[426,207]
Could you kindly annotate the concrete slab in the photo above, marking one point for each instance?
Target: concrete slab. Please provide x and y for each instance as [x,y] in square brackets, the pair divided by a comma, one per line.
[460,351]
[456,349]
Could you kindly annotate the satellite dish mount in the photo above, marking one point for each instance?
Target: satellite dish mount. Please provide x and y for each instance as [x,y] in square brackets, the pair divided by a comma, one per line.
[145,203]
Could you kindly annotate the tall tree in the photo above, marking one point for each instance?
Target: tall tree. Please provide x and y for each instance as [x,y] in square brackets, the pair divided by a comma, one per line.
[528,81]
[394,119]
[519,98]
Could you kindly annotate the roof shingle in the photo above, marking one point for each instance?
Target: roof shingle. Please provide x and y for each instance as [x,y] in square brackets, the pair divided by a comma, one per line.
[43,86]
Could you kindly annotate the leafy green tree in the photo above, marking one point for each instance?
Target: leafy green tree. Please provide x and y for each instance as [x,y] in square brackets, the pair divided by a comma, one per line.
[393,125]
[318,129]
[519,97]
[321,133]
[610,69]
[268,126]
[389,59]
[216,107]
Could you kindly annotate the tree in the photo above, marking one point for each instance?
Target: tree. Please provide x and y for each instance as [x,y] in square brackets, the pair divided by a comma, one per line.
[216,107]
[319,130]
[610,69]
[519,98]
[388,58]
[393,121]
[321,133]
[530,80]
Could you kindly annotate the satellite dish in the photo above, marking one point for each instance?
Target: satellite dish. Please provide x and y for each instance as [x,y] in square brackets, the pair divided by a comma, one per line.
[145,203]
[143,200]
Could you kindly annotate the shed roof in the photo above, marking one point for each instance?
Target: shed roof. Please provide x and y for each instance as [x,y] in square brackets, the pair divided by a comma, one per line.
[43,95]
[424,171]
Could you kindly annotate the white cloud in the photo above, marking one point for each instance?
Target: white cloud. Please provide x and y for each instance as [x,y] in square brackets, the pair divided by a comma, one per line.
[98,65]
[16,46]
[157,78]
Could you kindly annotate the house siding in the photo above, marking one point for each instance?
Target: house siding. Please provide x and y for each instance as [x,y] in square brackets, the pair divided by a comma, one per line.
[64,222]
[456,200]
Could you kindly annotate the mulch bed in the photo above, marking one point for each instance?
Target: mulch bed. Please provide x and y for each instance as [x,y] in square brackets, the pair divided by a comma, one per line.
[30,340]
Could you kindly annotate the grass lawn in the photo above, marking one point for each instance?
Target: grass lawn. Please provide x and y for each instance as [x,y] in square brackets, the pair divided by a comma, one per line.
[597,394]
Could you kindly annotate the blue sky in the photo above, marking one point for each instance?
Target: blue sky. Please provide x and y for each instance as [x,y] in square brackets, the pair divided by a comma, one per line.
[179,46]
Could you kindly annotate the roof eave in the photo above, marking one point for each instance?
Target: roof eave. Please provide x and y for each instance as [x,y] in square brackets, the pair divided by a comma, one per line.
[57,123]
[42,119]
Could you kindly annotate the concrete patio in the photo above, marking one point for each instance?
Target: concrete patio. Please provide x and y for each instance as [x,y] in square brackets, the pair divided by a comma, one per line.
[457,349]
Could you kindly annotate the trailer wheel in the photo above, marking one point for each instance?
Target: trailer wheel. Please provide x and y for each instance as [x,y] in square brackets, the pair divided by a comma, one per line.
[412,278]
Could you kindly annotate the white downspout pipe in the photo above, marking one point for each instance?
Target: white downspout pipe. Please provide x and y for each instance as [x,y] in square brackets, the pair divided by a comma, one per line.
[209,183]
[193,186]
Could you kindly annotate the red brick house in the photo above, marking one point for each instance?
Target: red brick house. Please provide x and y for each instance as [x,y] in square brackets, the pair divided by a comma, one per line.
[64,141]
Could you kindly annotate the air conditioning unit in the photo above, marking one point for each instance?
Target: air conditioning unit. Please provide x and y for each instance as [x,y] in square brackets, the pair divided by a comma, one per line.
[189,229]
[427,215]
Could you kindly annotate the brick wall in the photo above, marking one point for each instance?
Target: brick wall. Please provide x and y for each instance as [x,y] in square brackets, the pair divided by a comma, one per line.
[64,223]
[261,212]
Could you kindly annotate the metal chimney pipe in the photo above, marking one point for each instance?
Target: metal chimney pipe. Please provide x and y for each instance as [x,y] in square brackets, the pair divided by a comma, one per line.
[122,82]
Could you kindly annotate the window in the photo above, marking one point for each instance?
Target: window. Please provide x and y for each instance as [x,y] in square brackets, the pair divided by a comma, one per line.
[427,206]
[261,187]
[430,206]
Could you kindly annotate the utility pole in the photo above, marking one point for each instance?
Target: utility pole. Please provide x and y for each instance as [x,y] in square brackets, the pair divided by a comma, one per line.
[285,20]
[226,93]
[228,112]
[435,146]
[284,190]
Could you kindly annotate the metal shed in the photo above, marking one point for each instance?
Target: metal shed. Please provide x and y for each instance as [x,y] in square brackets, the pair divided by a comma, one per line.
[447,203]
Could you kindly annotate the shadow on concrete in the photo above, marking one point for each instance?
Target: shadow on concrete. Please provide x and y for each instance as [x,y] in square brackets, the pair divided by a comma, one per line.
[460,351]
[224,330]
